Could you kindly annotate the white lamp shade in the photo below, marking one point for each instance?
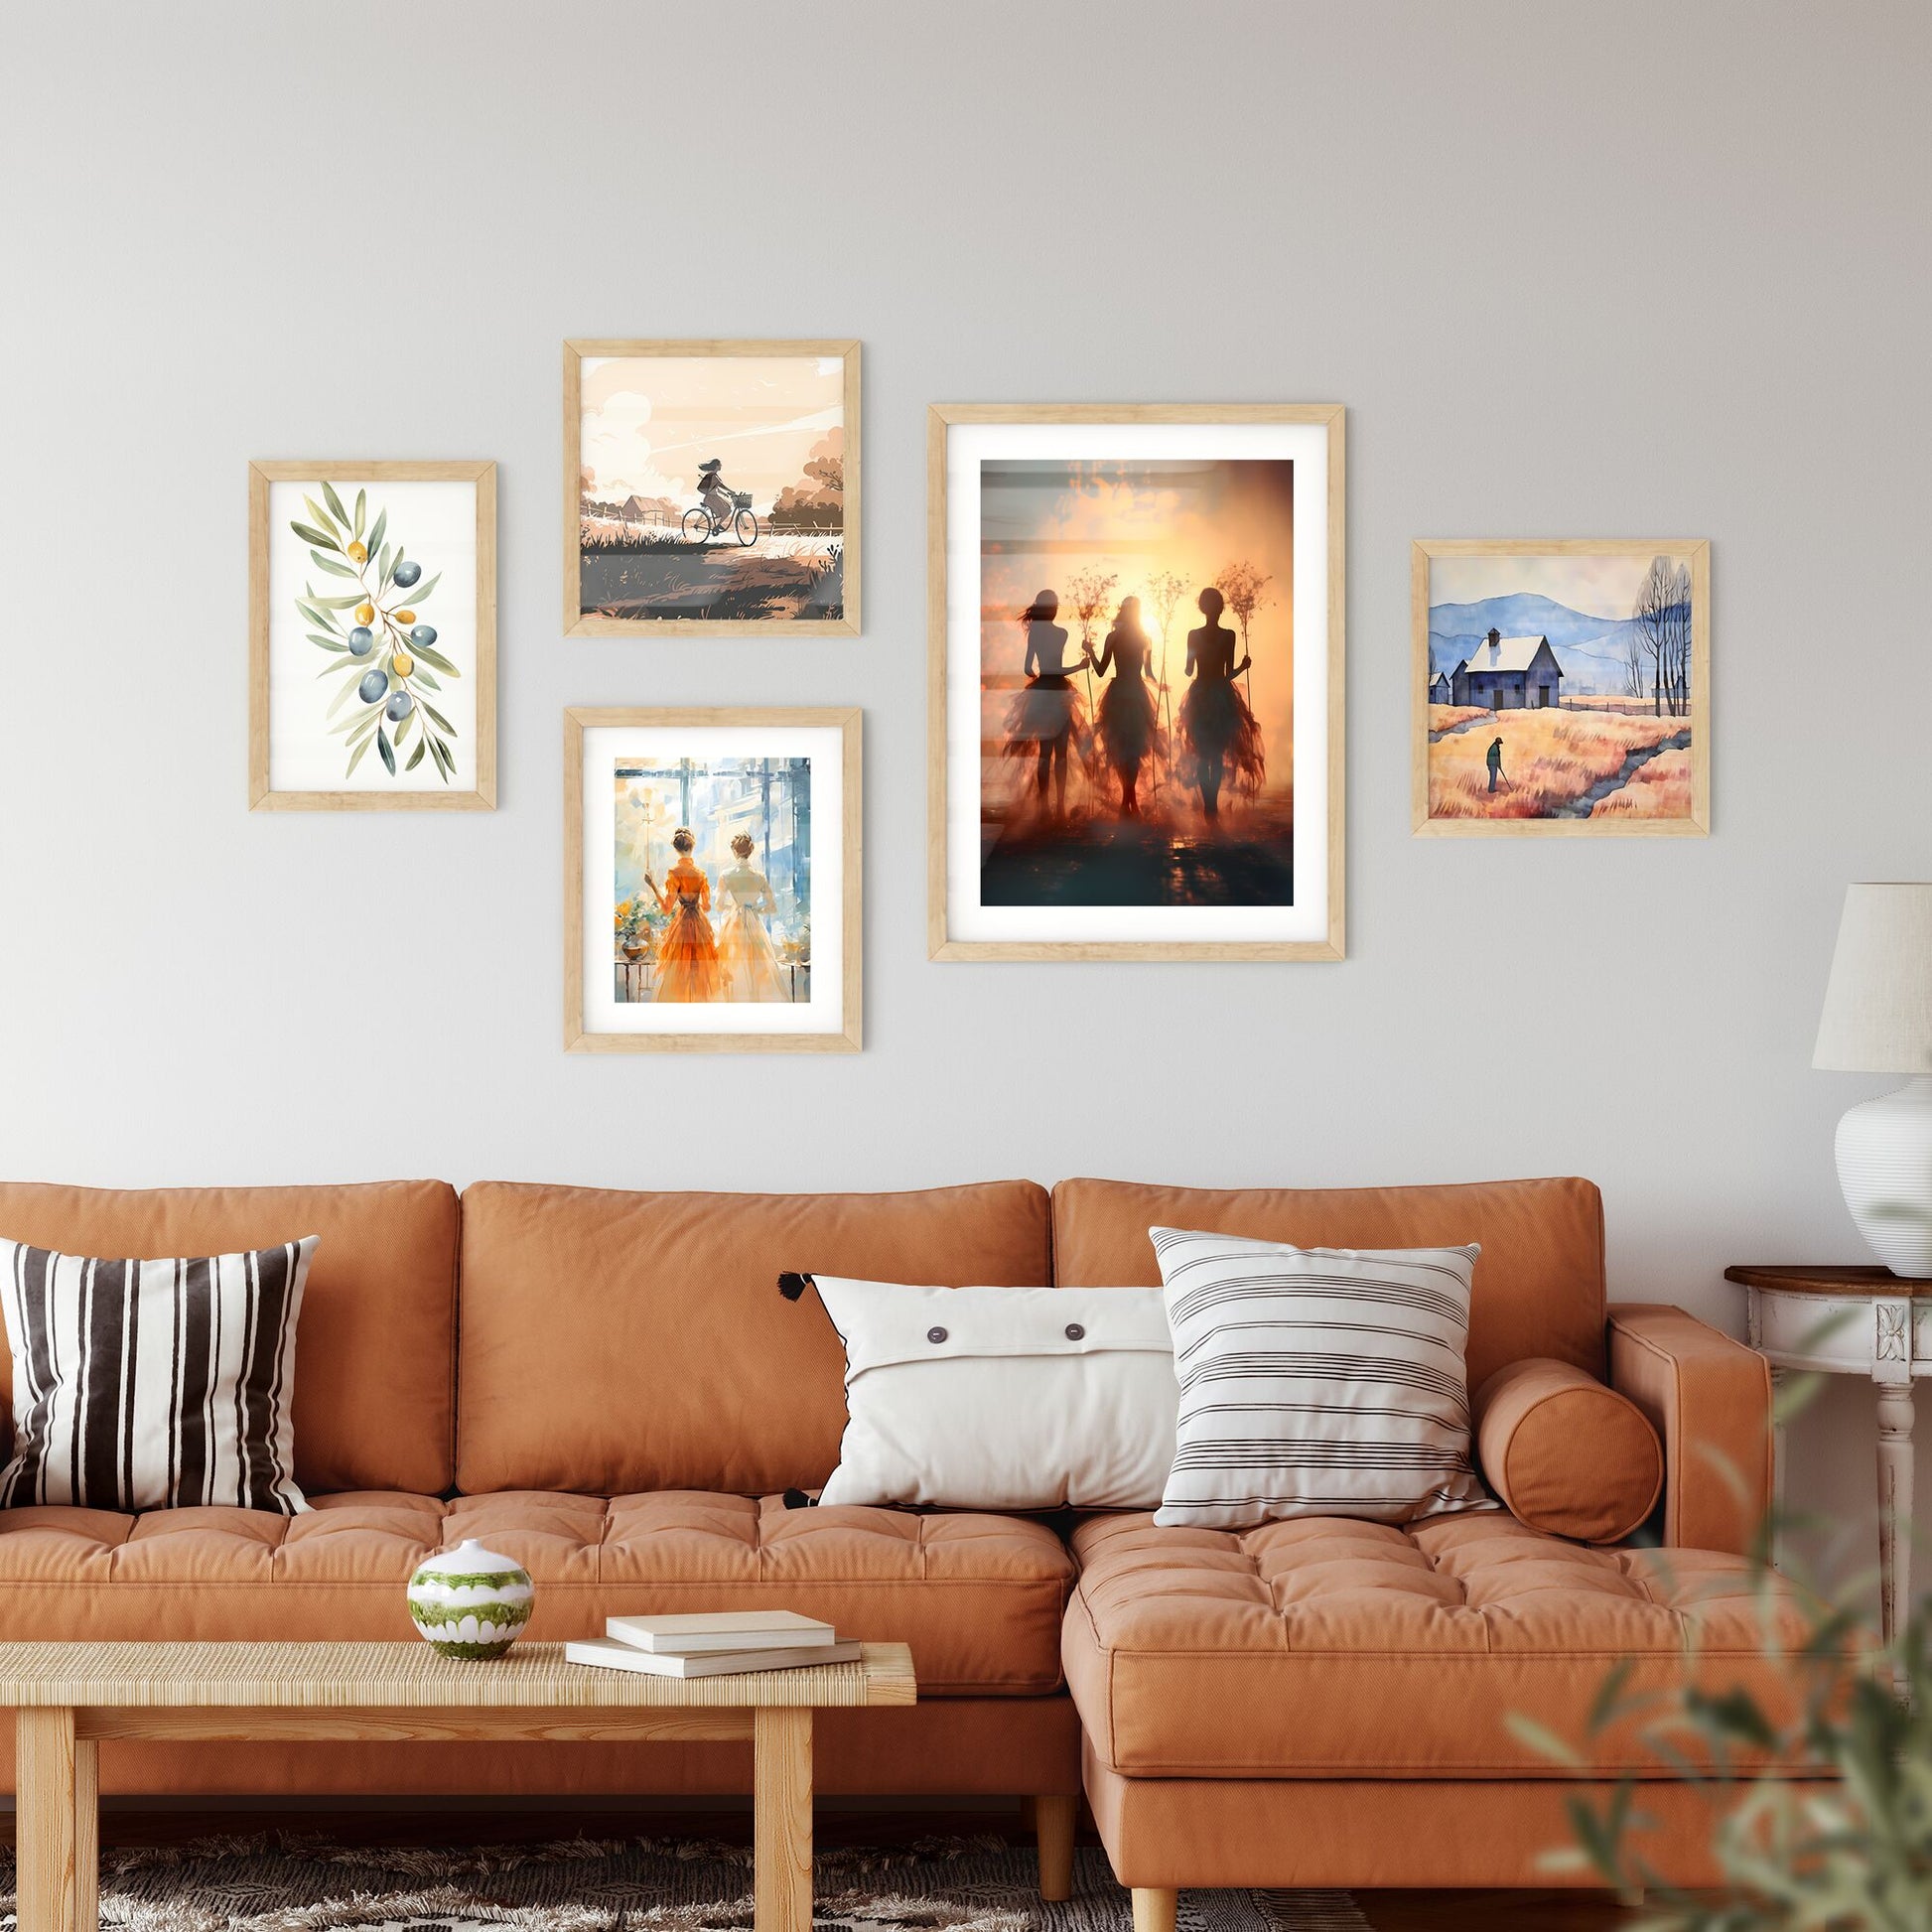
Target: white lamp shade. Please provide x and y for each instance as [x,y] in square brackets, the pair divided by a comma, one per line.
[1877,1016]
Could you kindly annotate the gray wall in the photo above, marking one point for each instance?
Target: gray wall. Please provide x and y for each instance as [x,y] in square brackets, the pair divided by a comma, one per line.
[1635,269]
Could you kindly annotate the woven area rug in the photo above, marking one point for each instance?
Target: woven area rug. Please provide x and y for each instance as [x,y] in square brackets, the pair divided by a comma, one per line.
[288,1884]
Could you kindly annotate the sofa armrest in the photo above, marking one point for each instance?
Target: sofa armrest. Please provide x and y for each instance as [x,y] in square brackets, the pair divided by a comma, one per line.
[1710,1400]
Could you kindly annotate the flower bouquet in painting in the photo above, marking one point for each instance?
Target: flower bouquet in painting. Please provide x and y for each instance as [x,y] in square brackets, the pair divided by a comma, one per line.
[383,652]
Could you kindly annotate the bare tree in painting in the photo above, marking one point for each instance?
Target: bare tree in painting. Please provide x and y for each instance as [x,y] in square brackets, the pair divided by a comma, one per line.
[1633,663]
[1661,622]
[1246,589]
[1164,593]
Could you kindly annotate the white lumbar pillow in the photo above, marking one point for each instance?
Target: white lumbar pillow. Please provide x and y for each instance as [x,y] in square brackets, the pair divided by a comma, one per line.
[1003,1397]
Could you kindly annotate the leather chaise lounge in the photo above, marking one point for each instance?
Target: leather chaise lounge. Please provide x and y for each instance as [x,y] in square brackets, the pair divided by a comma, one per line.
[606,1386]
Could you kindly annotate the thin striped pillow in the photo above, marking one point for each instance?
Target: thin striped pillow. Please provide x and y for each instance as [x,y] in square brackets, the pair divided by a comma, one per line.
[1317,1381]
[153,1384]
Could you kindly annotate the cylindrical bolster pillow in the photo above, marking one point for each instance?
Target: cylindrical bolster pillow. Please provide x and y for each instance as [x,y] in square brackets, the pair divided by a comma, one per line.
[1565,1454]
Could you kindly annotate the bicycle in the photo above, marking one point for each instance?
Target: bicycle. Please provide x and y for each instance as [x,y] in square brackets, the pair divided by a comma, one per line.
[700,526]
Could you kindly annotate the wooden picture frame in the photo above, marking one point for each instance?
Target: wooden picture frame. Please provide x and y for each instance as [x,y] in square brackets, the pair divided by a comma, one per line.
[1319,644]
[580,622]
[842,1030]
[1673,800]
[263,593]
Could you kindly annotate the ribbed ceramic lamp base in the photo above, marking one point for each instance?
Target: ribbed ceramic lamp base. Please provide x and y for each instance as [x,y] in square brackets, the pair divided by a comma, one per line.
[1884,1165]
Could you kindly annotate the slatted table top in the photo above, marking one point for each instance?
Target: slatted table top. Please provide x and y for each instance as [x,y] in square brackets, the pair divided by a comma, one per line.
[412,1677]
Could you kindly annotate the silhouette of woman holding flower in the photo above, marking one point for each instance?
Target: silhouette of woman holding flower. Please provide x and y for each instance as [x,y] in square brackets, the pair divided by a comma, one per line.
[1218,733]
[687,955]
[1047,717]
[1126,722]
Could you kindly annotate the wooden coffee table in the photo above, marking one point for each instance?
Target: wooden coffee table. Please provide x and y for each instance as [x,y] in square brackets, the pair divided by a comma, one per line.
[67,1697]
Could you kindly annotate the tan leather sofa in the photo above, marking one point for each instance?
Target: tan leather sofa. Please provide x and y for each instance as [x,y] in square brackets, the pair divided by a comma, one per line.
[607,1387]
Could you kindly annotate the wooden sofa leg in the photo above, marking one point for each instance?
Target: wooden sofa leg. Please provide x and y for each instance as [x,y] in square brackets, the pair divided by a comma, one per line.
[1153,1908]
[1053,1833]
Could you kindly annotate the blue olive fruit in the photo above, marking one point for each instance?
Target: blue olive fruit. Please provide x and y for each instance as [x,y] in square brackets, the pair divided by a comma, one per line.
[424,634]
[361,639]
[374,684]
[407,573]
[400,705]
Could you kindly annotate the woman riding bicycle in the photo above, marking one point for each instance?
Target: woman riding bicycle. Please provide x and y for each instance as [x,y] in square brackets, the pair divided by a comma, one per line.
[715,493]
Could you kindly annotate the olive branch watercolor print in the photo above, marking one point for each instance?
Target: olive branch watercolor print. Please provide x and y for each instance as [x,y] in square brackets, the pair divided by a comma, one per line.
[389,658]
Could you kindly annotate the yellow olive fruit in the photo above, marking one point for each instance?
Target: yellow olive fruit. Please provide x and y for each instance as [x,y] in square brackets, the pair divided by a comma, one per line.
[405,617]
[401,664]
[366,614]
[358,553]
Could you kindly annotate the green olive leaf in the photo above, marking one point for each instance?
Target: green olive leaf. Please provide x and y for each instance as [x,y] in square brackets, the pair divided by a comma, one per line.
[334,502]
[319,517]
[431,655]
[422,677]
[361,752]
[328,644]
[440,719]
[377,535]
[310,534]
[339,602]
[361,504]
[420,590]
[387,749]
[332,568]
[416,757]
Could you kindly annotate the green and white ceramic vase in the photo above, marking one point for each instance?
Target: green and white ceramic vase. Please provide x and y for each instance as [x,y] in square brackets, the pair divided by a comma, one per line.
[471,1603]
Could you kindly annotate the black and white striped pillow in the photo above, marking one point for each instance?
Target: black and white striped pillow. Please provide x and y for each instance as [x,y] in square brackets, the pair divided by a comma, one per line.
[1317,1381]
[153,1384]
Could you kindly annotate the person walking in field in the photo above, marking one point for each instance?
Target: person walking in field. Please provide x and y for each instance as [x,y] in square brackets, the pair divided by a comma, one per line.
[1496,763]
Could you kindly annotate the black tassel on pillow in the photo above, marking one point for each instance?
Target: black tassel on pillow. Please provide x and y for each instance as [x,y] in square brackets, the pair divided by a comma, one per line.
[791,1287]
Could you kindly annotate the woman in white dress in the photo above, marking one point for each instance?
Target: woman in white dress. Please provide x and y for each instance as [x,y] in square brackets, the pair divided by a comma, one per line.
[746,955]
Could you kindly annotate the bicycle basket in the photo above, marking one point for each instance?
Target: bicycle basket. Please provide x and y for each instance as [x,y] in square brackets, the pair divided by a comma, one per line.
[741,499]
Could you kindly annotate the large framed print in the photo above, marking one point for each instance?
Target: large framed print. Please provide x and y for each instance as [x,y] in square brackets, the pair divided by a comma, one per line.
[1135,618]
[371,636]
[1561,687]
[711,881]
[710,486]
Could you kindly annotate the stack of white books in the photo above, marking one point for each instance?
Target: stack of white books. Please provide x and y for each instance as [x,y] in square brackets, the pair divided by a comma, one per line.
[712,1644]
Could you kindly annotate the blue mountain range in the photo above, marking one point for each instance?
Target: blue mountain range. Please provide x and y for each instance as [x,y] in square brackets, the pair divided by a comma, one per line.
[1591,649]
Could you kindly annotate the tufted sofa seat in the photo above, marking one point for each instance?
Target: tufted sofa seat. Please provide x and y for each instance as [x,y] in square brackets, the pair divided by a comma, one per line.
[979,1597]
[1326,1648]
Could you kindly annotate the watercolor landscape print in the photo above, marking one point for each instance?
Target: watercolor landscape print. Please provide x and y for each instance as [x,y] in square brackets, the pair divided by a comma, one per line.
[1562,687]
[715,487]
[712,885]
[372,646]
[1137,682]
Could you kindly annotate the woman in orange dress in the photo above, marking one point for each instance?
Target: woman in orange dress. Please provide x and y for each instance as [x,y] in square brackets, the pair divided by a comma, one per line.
[687,953]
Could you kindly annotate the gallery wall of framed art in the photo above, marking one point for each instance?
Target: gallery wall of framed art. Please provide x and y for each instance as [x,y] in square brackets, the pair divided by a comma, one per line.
[1134,687]
[713,881]
[1561,687]
[710,486]
[371,636]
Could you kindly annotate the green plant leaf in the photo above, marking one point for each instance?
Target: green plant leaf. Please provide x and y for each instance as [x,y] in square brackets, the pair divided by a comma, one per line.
[376,534]
[320,518]
[416,757]
[419,592]
[356,756]
[339,602]
[328,644]
[310,534]
[422,677]
[362,504]
[312,612]
[390,568]
[332,568]
[403,730]
[335,502]
[431,655]
[439,717]
[387,749]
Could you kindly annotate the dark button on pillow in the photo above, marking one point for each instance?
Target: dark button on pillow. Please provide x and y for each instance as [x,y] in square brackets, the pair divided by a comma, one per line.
[1075,1333]
[935,1334]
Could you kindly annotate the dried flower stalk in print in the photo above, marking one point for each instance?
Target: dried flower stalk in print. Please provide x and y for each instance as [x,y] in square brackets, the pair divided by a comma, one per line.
[388,659]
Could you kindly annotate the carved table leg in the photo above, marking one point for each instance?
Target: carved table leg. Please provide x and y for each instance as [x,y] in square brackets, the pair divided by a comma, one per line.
[1895,1512]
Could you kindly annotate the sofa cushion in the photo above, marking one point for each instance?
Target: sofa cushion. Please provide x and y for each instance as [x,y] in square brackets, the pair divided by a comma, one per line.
[619,1342]
[1329,1648]
[373,1373]
[978,1598]
[1539,1287]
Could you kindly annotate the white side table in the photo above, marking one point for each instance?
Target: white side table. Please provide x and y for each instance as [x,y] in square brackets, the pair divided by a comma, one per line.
[1853,1321]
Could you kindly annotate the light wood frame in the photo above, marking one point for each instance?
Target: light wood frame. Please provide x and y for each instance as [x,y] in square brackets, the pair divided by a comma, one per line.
[850,723]
[939,417]
[482,797]
[579,624]
[1698,824]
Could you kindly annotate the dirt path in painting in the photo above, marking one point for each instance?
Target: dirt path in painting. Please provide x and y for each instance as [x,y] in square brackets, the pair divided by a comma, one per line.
[1586,802]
